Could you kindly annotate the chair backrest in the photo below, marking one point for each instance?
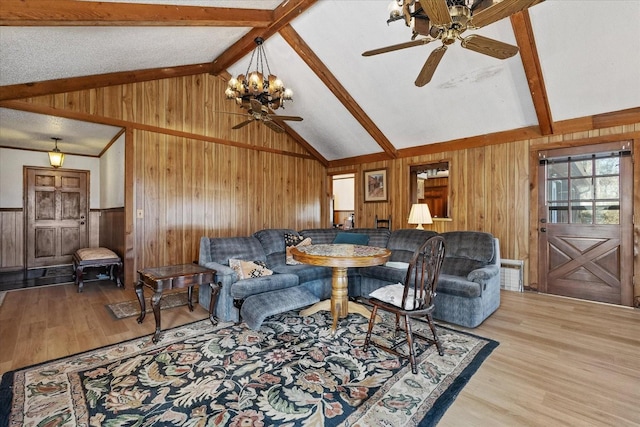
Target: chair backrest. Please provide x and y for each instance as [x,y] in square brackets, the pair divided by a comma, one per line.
[422,275]
[383,223]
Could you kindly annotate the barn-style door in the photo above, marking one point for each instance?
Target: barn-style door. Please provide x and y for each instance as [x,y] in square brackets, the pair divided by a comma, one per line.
[585,222]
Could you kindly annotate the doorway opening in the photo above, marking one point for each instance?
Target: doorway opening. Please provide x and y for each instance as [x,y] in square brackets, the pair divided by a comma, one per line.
[343,201]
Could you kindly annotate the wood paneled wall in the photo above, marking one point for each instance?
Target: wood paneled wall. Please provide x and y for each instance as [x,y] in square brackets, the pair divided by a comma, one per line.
[112,230]
[11,239]
[191,175]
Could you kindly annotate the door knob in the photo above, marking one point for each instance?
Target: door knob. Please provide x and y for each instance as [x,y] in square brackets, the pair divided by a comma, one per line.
[81,222]
[543,229]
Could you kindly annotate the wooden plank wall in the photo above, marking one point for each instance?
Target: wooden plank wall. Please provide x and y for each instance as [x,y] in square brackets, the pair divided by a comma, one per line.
[11,239]
[112,230]
[191,175]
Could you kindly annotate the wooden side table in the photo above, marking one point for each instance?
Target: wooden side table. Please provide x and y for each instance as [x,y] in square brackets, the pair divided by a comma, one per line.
[171,277]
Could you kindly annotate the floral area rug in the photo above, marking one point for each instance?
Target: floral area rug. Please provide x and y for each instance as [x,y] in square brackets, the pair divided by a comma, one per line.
[292,372]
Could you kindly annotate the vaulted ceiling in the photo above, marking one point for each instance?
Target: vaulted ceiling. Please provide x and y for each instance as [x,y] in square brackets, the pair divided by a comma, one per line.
[577,60]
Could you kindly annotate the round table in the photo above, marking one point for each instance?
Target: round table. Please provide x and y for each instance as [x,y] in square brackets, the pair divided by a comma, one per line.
[339,257]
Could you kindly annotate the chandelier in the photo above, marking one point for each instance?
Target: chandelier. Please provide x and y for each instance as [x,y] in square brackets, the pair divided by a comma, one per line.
[268,89]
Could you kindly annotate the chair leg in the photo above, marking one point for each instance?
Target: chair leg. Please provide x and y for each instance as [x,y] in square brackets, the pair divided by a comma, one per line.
[412,351]
[395,333]
[372,320]
[435,335]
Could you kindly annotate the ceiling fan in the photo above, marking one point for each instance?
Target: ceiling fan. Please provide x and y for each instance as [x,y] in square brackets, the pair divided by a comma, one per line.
[446,20]
[259,112]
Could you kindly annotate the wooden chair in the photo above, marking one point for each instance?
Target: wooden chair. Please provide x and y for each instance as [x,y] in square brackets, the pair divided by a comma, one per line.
[383,223]
[413,298]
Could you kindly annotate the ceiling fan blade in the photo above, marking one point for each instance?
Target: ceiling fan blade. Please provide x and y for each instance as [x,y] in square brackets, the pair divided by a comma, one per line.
[293,118]
[273,126]
[499,11]
[239,125]
[396,47]
[437,11]
[430,66]
[488,46]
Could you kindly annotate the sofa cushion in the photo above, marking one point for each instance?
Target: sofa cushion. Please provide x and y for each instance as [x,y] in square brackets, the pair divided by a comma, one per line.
[224,248]
[272,241]
[320,236]
[244,288]
[458,286]
[467,251]
[352,238]
[403,243]
[258,307]
[305,272]
[249,269]
[384,273]
[378,237]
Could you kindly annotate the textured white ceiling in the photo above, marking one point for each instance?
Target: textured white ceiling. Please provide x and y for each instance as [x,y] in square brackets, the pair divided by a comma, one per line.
[588,51]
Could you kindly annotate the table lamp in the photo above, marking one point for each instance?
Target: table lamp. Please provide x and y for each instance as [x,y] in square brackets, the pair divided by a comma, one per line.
[420,215]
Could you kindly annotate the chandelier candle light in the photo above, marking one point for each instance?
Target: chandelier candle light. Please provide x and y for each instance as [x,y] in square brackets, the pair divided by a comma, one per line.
[56,157]
[268,89]
[420,215]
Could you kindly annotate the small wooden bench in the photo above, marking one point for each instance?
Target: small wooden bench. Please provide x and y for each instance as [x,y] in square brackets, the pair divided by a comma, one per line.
[96,257]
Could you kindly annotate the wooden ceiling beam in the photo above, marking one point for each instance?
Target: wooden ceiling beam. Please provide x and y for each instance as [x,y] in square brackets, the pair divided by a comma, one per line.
[75,115]
[71,84]
[282,15]
[521,24]
[334,85]
[88,13]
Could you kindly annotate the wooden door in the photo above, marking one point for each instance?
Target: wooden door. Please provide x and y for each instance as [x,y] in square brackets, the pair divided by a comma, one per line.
[56,215]
[585,228]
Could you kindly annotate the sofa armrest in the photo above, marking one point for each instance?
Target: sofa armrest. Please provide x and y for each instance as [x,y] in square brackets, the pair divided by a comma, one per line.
[224,274]
[485,275]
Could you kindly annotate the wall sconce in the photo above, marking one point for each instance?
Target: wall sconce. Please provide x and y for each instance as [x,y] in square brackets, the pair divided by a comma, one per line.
[420,215]
[56,157]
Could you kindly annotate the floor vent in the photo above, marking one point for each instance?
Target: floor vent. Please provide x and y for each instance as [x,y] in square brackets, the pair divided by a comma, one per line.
[512,274]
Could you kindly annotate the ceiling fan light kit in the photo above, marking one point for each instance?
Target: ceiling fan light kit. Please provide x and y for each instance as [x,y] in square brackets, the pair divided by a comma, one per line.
[260,92]
[446,20]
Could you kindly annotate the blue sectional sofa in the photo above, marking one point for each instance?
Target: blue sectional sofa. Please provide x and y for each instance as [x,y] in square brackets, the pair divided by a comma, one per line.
[468,289]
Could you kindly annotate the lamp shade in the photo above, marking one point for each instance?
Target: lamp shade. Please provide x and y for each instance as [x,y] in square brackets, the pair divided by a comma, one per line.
[420,215]
[56,157]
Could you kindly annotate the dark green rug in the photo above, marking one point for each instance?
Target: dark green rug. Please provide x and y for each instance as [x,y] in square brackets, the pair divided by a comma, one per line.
[121,310]
[292,372]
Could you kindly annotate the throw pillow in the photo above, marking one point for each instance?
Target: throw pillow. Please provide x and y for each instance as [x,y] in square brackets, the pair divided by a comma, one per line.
[303,242]
[352,238]
[249,269]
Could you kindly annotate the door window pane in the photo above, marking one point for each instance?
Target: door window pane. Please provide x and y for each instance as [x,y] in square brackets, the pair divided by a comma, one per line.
[584,190]
[607,213]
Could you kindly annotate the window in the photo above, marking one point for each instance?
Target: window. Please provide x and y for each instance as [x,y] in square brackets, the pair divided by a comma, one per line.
[584,190]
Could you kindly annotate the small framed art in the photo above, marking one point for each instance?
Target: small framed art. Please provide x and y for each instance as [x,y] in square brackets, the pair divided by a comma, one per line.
[376,186]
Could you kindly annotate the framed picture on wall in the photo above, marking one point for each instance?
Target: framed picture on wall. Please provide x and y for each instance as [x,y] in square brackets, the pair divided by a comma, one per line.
[376,186]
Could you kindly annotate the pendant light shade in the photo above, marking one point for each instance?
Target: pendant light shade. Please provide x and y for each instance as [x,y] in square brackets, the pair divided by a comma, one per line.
[56,157]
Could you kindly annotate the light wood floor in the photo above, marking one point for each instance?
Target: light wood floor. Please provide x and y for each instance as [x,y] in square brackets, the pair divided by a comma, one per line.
[560,362]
